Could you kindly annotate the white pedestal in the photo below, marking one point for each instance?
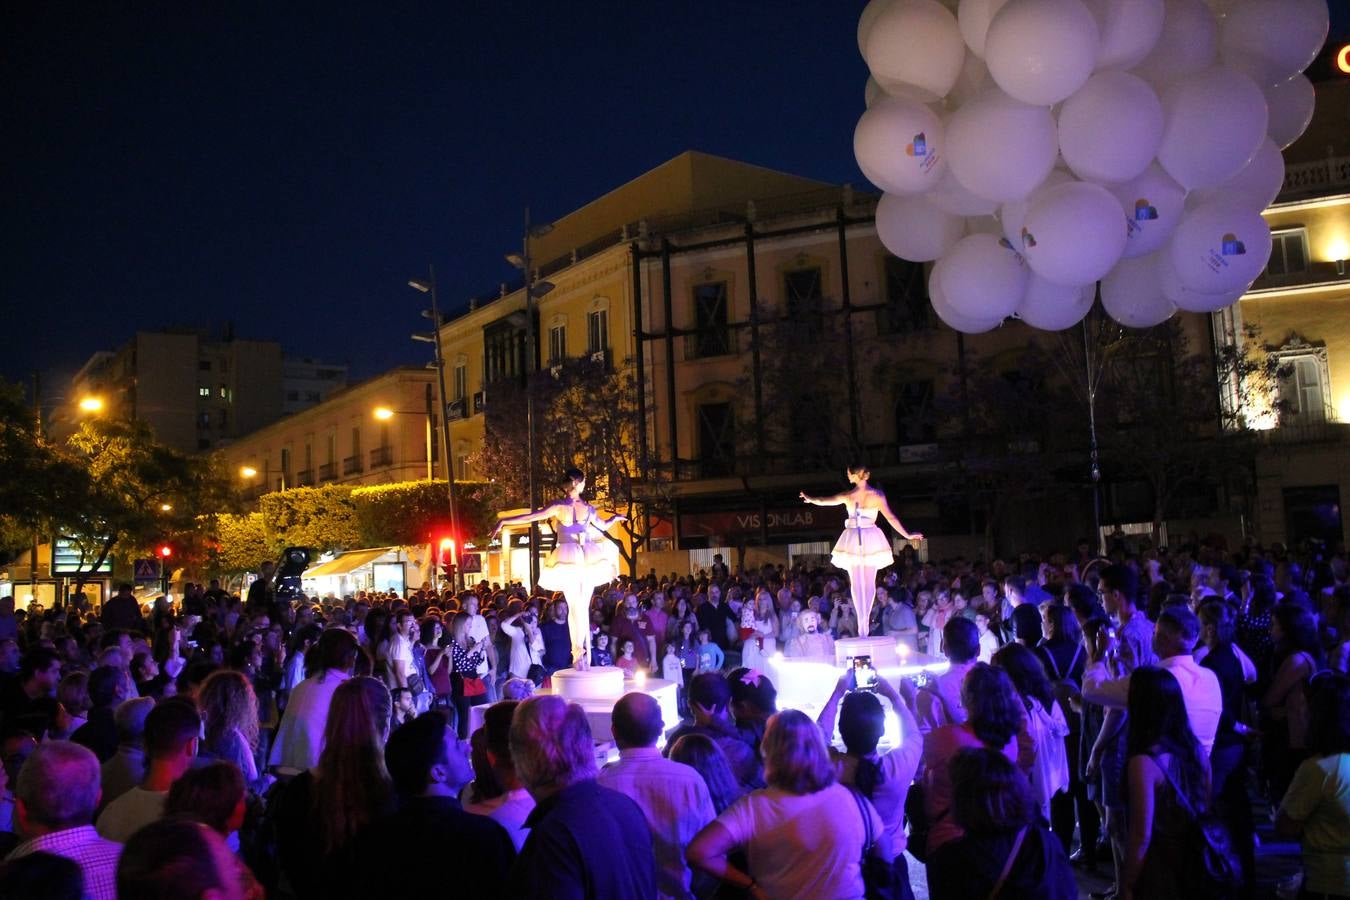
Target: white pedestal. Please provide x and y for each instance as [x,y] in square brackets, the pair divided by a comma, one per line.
[880,647]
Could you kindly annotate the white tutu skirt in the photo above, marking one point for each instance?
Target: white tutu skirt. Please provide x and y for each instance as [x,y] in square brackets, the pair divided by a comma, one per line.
[572,563]
[862,546]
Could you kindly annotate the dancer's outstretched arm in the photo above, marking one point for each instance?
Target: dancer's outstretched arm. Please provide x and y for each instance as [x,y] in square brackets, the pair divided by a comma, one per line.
[895,522]
[833,500]
[538,515]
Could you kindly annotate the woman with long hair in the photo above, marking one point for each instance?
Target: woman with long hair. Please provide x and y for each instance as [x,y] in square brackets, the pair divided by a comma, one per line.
[1284,706]
[321,811]
[702,754]
[1168,782]
[466,687]
[229,711]
[778,827]
[582,557]
[1046,726]
[862,550]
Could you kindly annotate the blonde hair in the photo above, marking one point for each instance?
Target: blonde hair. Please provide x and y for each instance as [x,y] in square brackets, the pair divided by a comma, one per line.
[796,759]
[227,702]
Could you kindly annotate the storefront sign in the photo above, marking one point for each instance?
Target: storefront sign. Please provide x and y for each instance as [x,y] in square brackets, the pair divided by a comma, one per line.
[751,523]
[69,559]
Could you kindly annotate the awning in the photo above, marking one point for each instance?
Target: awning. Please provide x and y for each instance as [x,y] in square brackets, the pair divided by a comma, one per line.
[346,563]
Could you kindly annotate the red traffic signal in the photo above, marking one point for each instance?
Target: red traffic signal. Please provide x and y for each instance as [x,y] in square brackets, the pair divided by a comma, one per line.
[165,551]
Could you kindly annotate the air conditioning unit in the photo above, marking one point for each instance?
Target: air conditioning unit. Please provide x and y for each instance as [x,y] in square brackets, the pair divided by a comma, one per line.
[479,402]
[454,410]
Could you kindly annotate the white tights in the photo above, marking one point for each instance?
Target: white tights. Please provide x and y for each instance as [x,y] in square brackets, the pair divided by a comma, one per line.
[862,585]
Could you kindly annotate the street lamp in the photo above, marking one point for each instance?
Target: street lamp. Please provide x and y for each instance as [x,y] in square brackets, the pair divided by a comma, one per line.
[533,291]
[166,507]
[91,404]
[384,414]
[248,472]
[434,314]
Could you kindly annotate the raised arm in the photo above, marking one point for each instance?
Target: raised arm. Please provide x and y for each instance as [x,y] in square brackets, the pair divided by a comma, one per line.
[833,500]
[606,524]
[895,522]
[539,515]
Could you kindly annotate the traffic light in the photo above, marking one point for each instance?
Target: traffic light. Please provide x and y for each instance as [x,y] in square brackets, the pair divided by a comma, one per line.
[448,566]
[165,551]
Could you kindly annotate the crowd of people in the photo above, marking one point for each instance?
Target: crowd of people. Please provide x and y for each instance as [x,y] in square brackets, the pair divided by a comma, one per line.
[1122,714]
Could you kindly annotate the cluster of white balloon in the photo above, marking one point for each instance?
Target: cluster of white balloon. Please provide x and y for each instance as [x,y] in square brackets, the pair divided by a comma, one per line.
[1036,147]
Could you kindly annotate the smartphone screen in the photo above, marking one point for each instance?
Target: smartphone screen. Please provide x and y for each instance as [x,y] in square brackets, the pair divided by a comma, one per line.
[863,674]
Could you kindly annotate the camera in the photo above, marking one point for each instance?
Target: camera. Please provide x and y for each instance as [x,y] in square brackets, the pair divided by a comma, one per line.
[864,675]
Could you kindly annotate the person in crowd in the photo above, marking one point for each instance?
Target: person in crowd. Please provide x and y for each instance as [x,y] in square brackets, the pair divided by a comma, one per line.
[1297,658]
[402,667]
[627,658]
[429,765]
[41,876]
[710,705]
[631,623]
[1024,626]
[883,778]
[1168,780]
[121,611]
[710,655]
[897,616]
[672,796]
[1316,807]
[1004,850]
[995,715]
[813,642]
[468,688]
[600,652]
[514,804]
[788,854]
[1046,726]
[585,841]
[753,700]
[299,737]
[939,703]
[557,638]
[55,799]
[214,795]
[230,723]
[172,730]
[718,620]
[1061,652]
[73,692]
[702,754]
[178,859]
[39,673]
[527,643]
[321,811]
[126,767]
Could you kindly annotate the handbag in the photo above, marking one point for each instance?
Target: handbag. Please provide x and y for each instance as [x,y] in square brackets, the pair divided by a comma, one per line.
[878,875]
[1008,864]
[474,686]
[1219,873]
[415,685]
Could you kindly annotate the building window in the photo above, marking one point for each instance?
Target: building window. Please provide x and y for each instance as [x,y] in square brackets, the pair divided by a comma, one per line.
[907,308]
[461,388]
[204,420]
[311,396]
[914,413]
[203,365]
[1306,388]
[713,338]
[1288,253]
[803,292]
[286,464]
[557,345]
[330,449]
[224,392]
[716,439]
[203,392]
[356,441]
[597,331]
[503,351]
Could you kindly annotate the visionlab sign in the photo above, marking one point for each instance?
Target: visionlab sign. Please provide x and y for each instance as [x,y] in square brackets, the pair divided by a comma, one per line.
[802,520]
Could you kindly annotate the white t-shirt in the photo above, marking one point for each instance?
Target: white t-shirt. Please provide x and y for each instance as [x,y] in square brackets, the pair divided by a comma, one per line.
[400,648]
[129,813]
[802,846]
[478,630]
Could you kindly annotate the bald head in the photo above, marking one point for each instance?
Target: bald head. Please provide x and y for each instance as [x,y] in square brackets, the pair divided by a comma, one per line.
[636,721]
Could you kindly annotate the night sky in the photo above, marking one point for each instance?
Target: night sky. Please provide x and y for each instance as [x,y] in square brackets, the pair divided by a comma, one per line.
[287,167]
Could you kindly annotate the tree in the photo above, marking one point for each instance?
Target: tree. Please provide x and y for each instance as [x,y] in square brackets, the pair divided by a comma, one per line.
[239,543]
[414,512]
[322,518]
[585,417]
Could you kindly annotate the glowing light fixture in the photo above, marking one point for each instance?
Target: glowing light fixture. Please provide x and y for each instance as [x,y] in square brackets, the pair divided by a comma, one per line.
[383,413]
[1343,60]
[248,472]
[166,507]
[91,404]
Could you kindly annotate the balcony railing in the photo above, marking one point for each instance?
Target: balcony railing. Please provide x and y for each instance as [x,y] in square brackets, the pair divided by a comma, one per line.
[1321,176]
[328,472]
[711,342]
[454,410]
[381,456]
[352,465]
[305,478]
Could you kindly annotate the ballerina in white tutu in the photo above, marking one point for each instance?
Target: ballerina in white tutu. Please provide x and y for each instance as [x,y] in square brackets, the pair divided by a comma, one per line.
[582,558]
[863,550]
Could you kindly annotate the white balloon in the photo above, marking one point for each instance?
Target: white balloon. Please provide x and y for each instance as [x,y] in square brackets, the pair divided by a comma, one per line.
[973,79]
[1219,248]
[1291,109]
[1153,204]
[868,18]
[1073,233]
[1014,212]
[1255,187]
[950,196]
[899,146]
[1215,121]
[913,228]
[984,225]
[1041,51]
[916,42]
[974,16]
[1187,298]
[1054,307]
[982,278]
[999,148]
[952,318]
[1132,293]
[872,92]
[1110,129]
[1129,30]
[1189,43]
[1273,40]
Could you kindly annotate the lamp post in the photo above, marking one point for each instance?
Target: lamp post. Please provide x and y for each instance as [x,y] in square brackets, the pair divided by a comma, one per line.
[434,314]
[384,414]
[534,289]
[248,473]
